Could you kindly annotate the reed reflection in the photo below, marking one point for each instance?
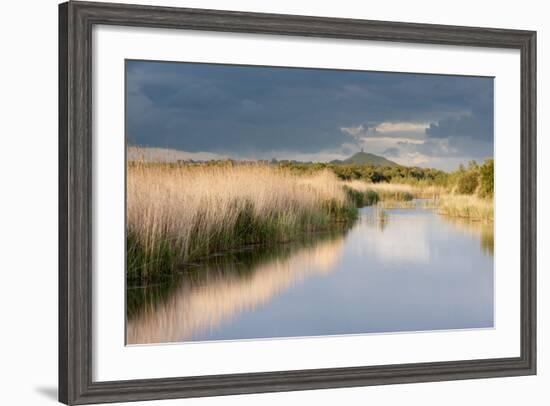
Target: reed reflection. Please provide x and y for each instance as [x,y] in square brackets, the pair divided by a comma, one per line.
[225,286]
[394,269]
[483,230]
[377,218]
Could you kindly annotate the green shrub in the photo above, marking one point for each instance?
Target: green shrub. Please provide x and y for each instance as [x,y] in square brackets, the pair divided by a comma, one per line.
[487,179]
[467,183]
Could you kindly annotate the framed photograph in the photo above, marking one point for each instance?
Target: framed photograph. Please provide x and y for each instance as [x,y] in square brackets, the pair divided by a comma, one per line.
[257,202]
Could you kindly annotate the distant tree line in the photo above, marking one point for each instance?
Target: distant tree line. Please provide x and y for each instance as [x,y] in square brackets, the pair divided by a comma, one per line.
[475,179]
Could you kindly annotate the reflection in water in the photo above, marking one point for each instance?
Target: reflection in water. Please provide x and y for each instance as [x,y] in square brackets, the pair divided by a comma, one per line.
[484,230]
[399,269]
[376,218]
[406,243]
[224,287]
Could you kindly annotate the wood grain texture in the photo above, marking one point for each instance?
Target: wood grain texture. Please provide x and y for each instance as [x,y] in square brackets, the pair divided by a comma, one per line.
[76,20]
[63,246]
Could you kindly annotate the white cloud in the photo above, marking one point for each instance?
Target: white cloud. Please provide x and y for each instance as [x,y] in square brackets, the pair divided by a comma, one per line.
[403,129]
[388,127]
[389,141]
[354,131]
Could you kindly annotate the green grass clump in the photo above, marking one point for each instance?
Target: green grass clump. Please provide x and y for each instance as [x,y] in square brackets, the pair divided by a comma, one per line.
[396,196]
[362,198]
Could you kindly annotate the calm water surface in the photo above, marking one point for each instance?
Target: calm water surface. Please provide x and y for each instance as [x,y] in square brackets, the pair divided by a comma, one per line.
[394,270]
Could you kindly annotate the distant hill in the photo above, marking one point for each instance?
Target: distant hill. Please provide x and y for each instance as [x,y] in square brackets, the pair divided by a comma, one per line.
[365,158]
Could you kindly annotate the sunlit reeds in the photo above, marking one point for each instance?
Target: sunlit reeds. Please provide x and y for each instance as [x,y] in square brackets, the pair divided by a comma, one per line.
[178,213]
[181,211]
[380,192]
[396,195]
[466,206]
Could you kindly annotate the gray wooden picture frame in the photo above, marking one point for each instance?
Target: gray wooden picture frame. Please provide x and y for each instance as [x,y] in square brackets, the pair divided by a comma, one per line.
[76,20]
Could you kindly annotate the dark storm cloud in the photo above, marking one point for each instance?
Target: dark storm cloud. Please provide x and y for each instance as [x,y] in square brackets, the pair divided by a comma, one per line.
[475,125]
[236,109]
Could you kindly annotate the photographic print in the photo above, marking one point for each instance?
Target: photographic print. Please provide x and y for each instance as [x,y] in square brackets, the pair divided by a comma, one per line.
[275,202]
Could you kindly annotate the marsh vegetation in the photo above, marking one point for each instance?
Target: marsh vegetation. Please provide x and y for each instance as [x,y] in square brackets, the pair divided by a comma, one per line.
[177,214]
[180,213]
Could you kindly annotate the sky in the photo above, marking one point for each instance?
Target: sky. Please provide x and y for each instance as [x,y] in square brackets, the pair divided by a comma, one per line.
[253,112]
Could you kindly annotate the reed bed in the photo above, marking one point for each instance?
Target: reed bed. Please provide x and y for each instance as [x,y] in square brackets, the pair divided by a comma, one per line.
[396,195]
[379,192]
[389,187]
[398,204]
[466,206]
[405,192]
[179,213]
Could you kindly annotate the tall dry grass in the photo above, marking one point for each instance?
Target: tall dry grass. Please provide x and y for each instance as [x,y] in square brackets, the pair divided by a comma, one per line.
[178,213]
[380,193]
[466,206]
[397,191]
